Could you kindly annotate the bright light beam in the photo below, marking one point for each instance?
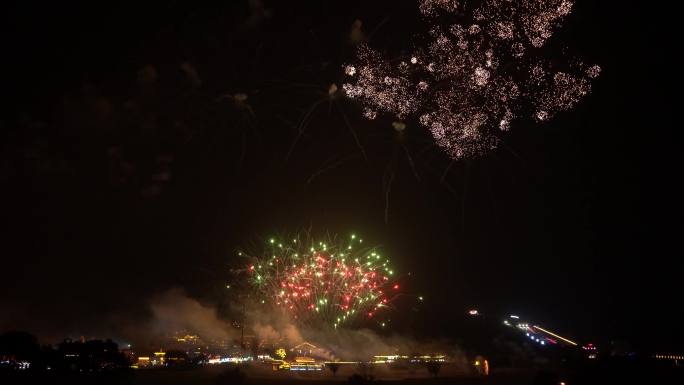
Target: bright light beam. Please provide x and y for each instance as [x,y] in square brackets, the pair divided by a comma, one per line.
[555,335]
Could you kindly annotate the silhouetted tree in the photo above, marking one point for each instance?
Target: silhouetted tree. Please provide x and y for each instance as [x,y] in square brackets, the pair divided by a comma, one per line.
[20,346]
[93,355]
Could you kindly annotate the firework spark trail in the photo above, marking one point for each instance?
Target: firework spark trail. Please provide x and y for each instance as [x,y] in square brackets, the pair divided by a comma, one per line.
[331,97]
[336,282]
[473,78]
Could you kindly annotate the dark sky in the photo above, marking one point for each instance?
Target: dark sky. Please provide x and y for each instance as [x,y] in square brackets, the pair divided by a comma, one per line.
[117,185]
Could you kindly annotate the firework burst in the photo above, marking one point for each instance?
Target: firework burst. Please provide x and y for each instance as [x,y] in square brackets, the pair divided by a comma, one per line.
[474,77]
[336,282]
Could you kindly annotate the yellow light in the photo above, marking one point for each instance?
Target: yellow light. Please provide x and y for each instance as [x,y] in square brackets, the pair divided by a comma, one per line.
[555,335]
[477,363]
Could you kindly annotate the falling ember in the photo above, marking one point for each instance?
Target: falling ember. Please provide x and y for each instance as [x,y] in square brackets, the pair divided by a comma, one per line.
[321,283]
[471,80]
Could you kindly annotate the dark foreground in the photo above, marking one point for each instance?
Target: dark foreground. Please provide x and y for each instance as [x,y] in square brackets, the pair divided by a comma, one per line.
[622,373]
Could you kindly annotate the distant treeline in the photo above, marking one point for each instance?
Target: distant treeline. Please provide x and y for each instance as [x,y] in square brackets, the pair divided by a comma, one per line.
[21,351]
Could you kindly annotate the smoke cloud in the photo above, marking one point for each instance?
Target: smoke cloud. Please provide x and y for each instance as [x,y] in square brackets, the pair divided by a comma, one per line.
[342,344]
[174,311]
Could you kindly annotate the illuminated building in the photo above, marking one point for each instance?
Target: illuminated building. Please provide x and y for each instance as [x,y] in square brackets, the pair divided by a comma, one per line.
[225,360]
[391,359]
[159,358]
[306,366]
[143,362]
[306,349]
[388,359]
[304,360]
[189,339]
[670,356]
[429,358]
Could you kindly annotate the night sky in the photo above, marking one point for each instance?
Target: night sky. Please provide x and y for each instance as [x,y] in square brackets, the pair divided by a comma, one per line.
[125,173]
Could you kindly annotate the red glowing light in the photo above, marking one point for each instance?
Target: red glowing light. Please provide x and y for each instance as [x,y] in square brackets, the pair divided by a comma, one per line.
[322,286]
